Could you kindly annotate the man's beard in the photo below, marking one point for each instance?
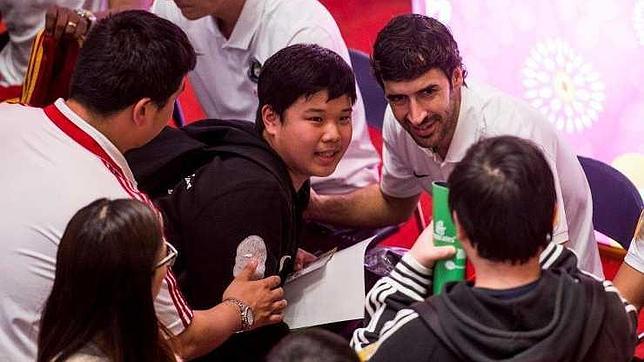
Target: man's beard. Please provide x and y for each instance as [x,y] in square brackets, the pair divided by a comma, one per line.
[436,121]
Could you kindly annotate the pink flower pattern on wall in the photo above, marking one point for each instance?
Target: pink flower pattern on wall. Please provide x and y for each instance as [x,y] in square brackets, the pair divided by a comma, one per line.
[563,86]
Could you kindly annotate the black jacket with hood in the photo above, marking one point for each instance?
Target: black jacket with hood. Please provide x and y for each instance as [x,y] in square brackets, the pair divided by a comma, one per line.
[217,182]
[566,315]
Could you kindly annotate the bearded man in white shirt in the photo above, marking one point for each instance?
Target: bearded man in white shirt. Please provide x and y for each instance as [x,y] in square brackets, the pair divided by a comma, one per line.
[433,118]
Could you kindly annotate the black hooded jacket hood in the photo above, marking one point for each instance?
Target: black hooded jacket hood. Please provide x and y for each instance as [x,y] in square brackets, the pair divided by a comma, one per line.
[563,318]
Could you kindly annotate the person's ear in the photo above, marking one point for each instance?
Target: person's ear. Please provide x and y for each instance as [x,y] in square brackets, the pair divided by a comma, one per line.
[460,232]
[461,235]
[142,112]
[457,77]
[271,120]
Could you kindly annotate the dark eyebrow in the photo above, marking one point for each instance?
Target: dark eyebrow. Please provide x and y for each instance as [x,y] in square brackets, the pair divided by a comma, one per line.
[430,88]
[394,95]
[317,110]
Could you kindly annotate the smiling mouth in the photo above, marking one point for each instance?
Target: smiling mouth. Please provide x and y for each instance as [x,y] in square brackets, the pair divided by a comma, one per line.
[326,154]
[426,130]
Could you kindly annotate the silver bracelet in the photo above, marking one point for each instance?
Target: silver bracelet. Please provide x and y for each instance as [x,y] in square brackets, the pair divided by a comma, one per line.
[245,313]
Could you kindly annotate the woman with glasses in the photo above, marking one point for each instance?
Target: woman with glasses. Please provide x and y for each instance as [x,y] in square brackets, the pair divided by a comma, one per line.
[110,265]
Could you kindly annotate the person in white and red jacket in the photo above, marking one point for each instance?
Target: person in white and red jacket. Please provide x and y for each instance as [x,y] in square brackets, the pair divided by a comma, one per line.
[57,159]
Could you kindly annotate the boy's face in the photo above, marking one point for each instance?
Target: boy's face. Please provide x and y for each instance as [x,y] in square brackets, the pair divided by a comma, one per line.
[312,135]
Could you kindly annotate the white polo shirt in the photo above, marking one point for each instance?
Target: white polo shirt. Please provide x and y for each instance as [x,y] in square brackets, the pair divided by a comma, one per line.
[24,19]
[486,112]
[635,255]
[46,177]
[227,89]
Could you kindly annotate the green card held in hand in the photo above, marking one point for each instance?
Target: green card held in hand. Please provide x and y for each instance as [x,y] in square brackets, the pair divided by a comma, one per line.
[445,234]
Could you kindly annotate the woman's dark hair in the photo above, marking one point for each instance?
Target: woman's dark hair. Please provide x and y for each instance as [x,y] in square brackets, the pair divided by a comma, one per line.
[313,345]
[503,194]
[301,70]
[130,56]
[102,291]
[410,46]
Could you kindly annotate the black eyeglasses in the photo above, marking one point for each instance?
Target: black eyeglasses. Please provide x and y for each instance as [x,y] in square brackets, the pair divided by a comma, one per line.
[169,258]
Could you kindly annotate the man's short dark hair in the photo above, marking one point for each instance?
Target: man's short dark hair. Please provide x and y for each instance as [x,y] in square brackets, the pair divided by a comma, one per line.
[302,70]
[411,45]
[313,345]
[503,194]
[130,56]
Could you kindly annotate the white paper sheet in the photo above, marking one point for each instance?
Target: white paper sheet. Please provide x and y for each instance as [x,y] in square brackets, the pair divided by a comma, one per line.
[329,294]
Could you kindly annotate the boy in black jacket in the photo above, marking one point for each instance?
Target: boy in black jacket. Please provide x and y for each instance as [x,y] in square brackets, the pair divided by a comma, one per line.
[529,302]
[242,188]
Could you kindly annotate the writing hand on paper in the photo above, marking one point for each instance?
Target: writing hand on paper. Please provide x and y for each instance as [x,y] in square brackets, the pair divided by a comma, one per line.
[264,296]
[303,258]
[424,250]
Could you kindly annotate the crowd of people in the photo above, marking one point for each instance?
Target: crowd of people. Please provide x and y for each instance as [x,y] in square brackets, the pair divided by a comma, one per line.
[126,240]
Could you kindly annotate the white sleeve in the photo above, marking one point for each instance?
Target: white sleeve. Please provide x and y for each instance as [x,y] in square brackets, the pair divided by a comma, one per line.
[398,179]
[547,141]
[574,198]
[560,231]
[172,310]
[635,255]
[23,20]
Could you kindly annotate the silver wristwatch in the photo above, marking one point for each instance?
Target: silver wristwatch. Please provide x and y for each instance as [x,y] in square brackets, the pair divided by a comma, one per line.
[245,313]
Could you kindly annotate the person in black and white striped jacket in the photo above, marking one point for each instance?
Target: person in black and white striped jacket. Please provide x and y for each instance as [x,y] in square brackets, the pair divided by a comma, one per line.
[530,301]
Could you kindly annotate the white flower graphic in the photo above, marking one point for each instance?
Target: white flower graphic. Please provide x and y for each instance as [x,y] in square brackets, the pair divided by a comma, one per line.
[638,20]
[563,86]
